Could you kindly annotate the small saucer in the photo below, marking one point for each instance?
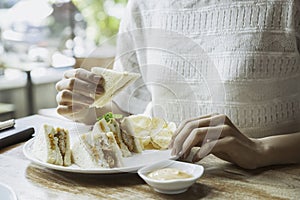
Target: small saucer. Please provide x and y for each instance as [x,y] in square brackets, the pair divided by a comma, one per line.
[174,186]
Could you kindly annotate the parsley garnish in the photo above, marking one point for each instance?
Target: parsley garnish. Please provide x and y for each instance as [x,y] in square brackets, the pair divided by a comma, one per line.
[109,116]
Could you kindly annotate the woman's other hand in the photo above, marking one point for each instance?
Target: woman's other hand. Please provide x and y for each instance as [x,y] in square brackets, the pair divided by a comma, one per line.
[216,134]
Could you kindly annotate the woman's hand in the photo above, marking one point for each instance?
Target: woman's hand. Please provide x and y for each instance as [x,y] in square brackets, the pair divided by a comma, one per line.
[216,134]
[76,91]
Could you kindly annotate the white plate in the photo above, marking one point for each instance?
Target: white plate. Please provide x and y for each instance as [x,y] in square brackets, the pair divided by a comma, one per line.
[131,164]
[7,193]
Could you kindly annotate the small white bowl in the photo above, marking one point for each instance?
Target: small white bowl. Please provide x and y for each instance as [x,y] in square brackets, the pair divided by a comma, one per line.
[174,186]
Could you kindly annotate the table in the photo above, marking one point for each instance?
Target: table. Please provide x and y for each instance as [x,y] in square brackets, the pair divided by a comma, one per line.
[221,180]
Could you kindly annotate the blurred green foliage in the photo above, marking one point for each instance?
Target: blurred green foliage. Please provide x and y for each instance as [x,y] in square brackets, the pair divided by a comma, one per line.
[102,17]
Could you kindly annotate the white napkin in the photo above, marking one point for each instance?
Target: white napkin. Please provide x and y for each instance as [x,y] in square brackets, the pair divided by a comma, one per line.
[7,124]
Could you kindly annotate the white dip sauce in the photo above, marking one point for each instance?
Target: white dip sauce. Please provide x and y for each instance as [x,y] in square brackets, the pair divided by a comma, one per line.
[168,174]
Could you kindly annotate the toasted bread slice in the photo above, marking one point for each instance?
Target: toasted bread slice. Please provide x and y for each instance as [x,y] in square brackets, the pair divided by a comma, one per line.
[114,82]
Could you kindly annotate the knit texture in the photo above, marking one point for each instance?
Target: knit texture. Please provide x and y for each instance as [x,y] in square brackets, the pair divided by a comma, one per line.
[240,58]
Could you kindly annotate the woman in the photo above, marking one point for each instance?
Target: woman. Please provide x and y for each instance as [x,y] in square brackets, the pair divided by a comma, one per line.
[237,58]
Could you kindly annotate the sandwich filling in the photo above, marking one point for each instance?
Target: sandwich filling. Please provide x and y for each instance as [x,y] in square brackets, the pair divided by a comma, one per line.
[61,136]
[111,153]
[52,145]
[97,148]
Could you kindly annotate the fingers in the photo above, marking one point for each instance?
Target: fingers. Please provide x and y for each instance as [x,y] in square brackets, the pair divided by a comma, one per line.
[79,86]
[77,113]
[69,110]
[200,136]
[84,75]
[68,98]
[77,91]
[190,127]
[194,138]
[82,81]
[188,124]
[208,120]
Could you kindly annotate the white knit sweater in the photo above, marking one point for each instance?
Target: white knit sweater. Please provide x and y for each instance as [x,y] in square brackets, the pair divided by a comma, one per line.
[237,57]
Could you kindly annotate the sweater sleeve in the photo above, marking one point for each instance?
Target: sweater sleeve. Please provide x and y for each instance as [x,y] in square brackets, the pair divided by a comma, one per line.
[135,98]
